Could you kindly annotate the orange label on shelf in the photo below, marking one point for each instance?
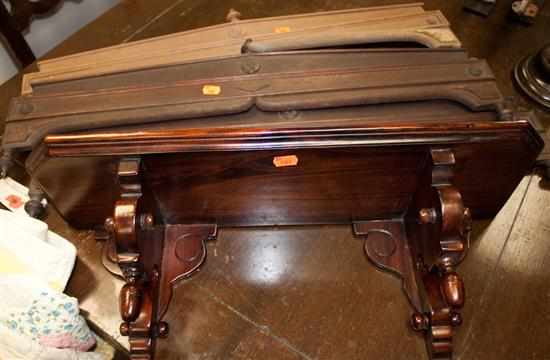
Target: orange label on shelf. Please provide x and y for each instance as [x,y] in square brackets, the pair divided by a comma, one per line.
[282,29]
[211,90]
[288,160]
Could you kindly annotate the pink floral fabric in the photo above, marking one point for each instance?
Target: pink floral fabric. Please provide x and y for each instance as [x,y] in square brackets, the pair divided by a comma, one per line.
[53,320]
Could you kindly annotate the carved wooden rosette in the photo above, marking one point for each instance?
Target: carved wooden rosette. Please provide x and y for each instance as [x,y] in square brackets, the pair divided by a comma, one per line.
[172,253]
[424,248]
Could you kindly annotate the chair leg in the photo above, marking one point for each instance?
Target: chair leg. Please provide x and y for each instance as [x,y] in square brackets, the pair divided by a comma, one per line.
[14,38]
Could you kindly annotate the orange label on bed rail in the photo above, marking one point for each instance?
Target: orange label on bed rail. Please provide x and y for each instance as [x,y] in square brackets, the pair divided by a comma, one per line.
[281,29]
[288,160]
[211,90]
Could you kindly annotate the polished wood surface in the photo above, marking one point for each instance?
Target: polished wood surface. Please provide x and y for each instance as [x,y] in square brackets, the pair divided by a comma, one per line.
[409,189]
[270,316]
[330,185]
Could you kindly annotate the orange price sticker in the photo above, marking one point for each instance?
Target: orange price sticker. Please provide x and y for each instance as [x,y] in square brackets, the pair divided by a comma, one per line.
[211,90]
[288,160]
[282,29]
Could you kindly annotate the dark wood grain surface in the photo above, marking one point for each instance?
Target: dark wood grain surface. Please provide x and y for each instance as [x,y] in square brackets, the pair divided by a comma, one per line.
[329,185]
[309,293]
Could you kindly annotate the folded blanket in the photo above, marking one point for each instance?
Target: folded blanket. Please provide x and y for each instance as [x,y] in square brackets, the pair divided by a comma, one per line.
[38,321]
[28,248]
[14,346]
[43,315]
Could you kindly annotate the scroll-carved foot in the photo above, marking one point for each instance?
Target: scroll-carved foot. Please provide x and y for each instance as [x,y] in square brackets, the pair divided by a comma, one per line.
[424,248]
[444,295]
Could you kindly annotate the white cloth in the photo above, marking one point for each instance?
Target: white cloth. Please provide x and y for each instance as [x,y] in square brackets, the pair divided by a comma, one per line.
[37,321]
[13,195]
[27,247]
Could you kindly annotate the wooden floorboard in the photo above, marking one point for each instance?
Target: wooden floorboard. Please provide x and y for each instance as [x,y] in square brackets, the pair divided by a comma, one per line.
[512,314]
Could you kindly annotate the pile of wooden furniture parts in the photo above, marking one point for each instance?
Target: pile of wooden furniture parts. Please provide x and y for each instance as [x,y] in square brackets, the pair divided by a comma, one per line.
[372,117]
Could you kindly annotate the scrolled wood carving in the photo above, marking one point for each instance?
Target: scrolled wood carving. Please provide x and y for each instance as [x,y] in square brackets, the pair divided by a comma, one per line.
[151,259]
[449,225]
[136,296]
[424,248]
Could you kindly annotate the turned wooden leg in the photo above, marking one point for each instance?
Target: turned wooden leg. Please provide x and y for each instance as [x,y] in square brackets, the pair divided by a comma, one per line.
[152,258]
[424,249]
[35,206]
[6,163]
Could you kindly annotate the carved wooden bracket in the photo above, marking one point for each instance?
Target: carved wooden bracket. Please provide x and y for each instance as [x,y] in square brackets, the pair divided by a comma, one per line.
[424,248]
[146,295]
